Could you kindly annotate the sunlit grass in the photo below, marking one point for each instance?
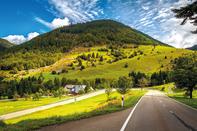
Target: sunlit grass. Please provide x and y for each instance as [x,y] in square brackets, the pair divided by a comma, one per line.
[13,106]
[82,109]
[152,60]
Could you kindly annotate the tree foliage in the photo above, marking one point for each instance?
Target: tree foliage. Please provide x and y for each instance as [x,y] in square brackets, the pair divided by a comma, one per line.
[124,84]
[187,13]
[185,72]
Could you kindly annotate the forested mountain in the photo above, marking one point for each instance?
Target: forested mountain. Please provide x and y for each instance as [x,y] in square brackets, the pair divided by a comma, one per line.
[193,47]
[47,48]
[4,44]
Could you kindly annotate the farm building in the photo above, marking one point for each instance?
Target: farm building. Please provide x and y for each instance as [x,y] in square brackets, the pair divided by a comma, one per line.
[75,88]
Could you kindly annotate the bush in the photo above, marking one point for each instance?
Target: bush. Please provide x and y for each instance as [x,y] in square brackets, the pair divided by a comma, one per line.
[82,67]
[26,96]
[163,88]
[64,71]
[36,96]
[13,72]
[16,96]
[2,123]
[126,65]
[53,72]
[94,65]
[81,92]
[103,49]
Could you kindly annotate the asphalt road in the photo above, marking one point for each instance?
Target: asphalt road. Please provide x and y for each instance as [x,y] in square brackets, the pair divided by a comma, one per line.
[157,112]
[154,112]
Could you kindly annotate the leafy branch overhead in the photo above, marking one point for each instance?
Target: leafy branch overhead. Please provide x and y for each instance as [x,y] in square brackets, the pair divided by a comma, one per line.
[186,13]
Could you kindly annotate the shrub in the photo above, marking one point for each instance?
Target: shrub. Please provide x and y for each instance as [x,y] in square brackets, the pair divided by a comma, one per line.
[2,123]
[163,88]
[81,92]
[13,72]
[126,65]
[101,58]
[103,49]
[16,96]
[36,96]
[94,65]
[53,72]
[26,96]
[64,71]
[82,67]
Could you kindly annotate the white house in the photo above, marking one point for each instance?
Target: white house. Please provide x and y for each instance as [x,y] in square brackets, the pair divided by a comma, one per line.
[75,88]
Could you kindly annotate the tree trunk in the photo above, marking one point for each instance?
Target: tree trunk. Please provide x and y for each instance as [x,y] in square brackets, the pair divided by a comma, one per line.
[190,92]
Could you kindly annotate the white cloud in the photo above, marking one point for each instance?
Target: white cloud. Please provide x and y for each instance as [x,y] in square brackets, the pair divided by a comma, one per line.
[166,27]
[57,22]
[176,35]
[76,10]
[32,35]
[18,39]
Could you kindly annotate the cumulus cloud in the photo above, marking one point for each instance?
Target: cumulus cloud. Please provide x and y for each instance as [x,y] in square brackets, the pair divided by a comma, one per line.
[176,35]
[18,39]
[32,35]
[161,23]
[55,23]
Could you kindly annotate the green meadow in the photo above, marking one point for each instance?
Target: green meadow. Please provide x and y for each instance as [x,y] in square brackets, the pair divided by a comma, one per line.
[86,108]
[9,106]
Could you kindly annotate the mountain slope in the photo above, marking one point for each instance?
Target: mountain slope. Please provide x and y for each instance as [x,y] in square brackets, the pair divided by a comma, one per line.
[46,49]
[4,44]
[88,34]
[193,47]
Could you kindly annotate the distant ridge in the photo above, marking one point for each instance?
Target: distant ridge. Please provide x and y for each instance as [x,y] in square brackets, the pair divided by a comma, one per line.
[193,47]
[4,44]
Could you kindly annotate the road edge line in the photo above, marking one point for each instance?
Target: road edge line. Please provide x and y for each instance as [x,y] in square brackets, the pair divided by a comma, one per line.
[129,117]
[183,104]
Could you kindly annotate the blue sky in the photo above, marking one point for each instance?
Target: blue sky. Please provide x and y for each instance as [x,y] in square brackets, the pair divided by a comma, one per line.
[22,20]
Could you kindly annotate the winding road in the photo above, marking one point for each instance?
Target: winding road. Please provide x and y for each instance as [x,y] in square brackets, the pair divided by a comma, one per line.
[154,112]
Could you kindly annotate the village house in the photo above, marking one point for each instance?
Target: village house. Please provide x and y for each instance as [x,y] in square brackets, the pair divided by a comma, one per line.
[75,88]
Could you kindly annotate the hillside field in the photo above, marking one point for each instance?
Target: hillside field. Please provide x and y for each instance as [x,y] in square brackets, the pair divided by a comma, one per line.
[152,59]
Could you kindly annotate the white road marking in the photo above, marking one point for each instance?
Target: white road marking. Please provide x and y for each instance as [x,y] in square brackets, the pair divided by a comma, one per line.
[129,117]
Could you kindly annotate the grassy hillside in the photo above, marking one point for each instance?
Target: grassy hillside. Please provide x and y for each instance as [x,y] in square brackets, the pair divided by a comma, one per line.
[46,49]
[148,59]
[4,44]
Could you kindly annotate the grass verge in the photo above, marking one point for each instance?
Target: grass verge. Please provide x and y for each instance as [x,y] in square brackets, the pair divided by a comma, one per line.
[83,109]
[13,106]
